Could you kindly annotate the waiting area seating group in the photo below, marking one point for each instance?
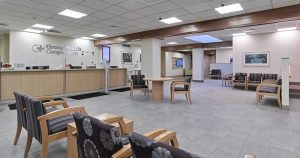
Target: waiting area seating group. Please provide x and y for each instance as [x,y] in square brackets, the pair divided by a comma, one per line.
[45,122]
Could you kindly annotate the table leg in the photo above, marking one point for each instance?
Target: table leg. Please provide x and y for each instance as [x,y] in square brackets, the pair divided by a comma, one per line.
[72,143]
[157,90]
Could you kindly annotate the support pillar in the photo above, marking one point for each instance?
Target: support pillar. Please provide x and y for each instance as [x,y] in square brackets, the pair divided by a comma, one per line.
[151,57]
[285,83]
[198,64]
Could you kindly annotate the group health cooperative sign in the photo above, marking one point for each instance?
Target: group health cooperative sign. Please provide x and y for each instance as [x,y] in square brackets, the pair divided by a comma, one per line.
[57,50]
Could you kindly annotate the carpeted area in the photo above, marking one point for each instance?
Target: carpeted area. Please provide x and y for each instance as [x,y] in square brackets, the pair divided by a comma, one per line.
[221,122]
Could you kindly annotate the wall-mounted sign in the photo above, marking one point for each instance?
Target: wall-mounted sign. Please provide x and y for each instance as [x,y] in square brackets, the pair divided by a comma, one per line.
[57,50]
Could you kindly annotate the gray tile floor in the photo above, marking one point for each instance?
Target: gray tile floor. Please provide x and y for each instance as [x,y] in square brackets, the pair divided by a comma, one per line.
[220,123]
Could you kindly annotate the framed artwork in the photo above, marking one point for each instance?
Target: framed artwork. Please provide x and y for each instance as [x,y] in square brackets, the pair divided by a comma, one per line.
[126,57]
[177,63]
[257,58]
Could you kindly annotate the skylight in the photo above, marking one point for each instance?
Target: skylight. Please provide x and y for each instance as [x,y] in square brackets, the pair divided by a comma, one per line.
[98,35]
[72,14]
[170,20]
[229,8]
[86,38]
[203,38]
[33,30]
[42,26]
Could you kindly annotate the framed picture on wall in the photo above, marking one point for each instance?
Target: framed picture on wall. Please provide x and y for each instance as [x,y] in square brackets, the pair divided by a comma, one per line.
[257,58]
[126,57]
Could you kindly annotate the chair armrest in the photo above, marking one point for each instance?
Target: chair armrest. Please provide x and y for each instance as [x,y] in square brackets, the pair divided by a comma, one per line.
[181,83]
[155,133]
[56,103]
[119,120]
[43,98]
[125,152]
[62,112]
[168,136]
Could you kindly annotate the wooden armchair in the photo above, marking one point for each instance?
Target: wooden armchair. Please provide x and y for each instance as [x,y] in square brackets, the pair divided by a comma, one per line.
[269,88]
[239,79]
[181,87]
[103,140]
[215,74]
[254,79]
[47,125]
[137,82]
[226,80]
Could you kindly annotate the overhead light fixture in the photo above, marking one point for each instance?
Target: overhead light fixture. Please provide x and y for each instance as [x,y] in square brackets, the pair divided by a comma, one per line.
[98,35]
[33,30]
[72,14]
[229,8]
[172,43]
[171,20]
[239,34]
[42,26]
[286,29]
[86,38]
[203,38]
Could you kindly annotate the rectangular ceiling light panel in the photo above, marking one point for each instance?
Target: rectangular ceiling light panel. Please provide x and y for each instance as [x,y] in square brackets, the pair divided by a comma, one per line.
[203,38]
[42,26]
[229,8]
[72,14]
[171,20]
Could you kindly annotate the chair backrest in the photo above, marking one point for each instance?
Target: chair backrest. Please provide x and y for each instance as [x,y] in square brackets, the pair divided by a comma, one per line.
[21,106]
[143,147]
[216,72]
[189,80]
[96,139]
[270,76]
[240,76]
[255,76]
[35,108]
[138,79]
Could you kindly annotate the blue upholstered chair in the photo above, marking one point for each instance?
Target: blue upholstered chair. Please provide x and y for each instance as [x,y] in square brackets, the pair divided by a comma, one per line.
[46,123]
[137,82]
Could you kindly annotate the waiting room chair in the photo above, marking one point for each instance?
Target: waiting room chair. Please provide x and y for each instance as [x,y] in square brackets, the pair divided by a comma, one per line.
[270,77]
[239,79]
[215,74]
[269,88]
[137,82]
[47,125]
[97,139]
[181,87]
[254,79]
[226,80]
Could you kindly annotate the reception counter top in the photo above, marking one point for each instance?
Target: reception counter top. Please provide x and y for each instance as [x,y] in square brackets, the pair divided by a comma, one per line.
[58,81]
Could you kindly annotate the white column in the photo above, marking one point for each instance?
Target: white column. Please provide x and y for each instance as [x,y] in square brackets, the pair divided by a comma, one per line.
[198,64]
[285,83]
[151,57]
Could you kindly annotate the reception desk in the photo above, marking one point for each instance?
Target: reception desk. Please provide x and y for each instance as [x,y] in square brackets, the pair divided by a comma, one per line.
[55,82]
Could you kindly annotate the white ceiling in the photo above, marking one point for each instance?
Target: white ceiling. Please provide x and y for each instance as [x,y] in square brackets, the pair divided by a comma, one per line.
[129,15]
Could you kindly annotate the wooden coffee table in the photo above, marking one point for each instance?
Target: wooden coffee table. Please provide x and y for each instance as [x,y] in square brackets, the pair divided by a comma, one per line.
[107,118]
[158,87]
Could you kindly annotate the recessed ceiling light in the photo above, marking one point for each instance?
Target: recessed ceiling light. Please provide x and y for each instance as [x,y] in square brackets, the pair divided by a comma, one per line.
[239,34]
[286,29]
[170,20]
[33,30]
[203,38]
[229,8]
[172,43]
[42,26]
[72,14]
[98,35]
[86,38]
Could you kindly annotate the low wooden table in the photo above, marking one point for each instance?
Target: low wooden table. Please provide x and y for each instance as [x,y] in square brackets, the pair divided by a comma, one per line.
[158,87]
[72,139]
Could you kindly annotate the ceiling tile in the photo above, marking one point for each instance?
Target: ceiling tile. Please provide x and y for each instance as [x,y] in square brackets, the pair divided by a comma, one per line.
[119,19]
[198,7]
[177,12]
[48,8]
[95,4]
[113,1]
[83,9]
[102,14]
[60,3]
[115,10]
[145,20]
[26,3]
[165,6]
[131,15]
[147,11]
[131,5]
[187,3]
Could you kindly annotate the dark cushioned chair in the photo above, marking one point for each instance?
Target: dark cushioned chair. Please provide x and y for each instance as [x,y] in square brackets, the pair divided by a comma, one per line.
[239,79]
[137,82]
[143,147]
[215,74]
[47,125]
[183,87]
[226,79]
[269,88]
[254,79]
[270,77]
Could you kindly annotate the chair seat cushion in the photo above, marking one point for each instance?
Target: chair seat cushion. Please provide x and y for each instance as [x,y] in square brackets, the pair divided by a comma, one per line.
[180,89]
[256,82]
[140,86]
[59,124]
[266,89]
[238,81]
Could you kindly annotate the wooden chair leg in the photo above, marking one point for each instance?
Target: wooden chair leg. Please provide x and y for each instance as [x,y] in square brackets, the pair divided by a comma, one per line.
[131,93]
[172,98]
[257,99]
[44,151]
[18,132]
[190,97]
[186,96]
[279,102]
[28,145]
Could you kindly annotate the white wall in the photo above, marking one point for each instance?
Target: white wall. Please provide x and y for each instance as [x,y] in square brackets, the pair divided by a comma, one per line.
[168,61]
[224,55]
[279,44]
[21,44]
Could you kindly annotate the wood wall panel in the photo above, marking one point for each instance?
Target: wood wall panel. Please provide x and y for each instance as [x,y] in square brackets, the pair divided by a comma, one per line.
[117,78]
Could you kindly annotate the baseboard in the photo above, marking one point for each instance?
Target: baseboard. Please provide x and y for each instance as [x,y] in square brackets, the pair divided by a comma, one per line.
[198,81]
